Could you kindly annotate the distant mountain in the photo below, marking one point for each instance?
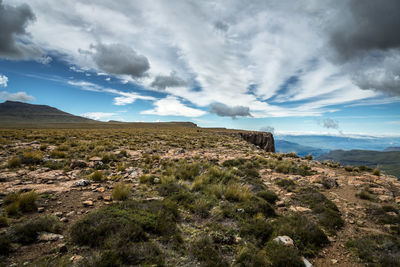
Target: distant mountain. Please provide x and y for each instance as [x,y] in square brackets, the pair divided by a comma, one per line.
[332,142]
[387,161]
[284,146]
[392,148]
[23,113]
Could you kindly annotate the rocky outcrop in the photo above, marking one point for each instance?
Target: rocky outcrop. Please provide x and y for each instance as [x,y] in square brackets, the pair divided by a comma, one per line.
[264,140]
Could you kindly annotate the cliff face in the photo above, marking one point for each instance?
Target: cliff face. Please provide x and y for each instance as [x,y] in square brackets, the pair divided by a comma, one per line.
[264,140]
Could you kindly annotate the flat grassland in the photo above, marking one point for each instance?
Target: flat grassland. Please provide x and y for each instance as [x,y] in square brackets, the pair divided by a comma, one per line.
[173,194]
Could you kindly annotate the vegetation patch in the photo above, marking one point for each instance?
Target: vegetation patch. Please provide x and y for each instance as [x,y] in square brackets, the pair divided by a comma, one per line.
[16,203]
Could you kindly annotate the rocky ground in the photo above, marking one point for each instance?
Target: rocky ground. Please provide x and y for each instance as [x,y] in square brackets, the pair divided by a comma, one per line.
[62,175]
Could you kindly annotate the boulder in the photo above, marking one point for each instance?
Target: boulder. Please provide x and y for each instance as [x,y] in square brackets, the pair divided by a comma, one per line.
[263,140]
[44,237]
[287,241]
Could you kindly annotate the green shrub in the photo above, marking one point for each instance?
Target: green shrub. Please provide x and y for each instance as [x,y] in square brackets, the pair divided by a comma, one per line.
[121,191]
[201,206]
[31,157]
[348,168]
[5,245]
[287,184]
[20,202]
[268,195]
[283,256]
[251,256]
[384,214]
[187,171]
[207,253]
[27,233]
[122,223]
[56,154]
[376,250]
[376,172]
[326,211]
[307,236]
[255,206]
[237,192]
[14,162]
[309,157]
[97,176]
[364,194]
[3,221]
[257,229]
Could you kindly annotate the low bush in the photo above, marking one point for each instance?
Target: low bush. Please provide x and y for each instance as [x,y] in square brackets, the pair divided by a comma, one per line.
[5,245]
[97,176]
[121,191]
[27,233]
[268,195]
[364,194]
[14,162]
[207,253]
[237,192]
[31,157]
[20,202]
[282,256]
[251,256]
[287,184]
[307,236]
[376,172]
[3,221]
[257,229]
[326,211]
[376,250]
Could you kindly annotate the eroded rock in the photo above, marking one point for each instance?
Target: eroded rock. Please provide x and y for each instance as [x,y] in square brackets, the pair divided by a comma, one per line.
[264,140]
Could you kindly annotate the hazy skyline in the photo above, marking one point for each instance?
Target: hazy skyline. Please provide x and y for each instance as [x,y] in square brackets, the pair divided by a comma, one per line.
[290,66]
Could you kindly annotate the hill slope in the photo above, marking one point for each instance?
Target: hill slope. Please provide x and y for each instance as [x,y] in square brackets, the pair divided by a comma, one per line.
[24,113]
[387,161]
[284,146]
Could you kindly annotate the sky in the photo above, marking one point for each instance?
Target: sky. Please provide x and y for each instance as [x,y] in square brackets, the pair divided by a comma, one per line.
[287,66]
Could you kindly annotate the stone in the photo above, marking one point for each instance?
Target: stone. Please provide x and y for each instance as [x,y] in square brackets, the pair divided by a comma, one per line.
[107,198]
[280,203]
[87,203]
[82,183]
[334,261]
[76,259]
[40,209]
[71,213]
[264,140]
[44,237]
[64,219]
[58,214]
[385,198]
[95,159]
[78,164]
[287,241]
[306,262]
[100,189]
[329,182]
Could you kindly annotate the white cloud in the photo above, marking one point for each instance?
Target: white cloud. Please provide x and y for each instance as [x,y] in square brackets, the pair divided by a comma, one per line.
[3,80]
[103,116]
[19,96]
[123,98]
[171,106]
[222,50]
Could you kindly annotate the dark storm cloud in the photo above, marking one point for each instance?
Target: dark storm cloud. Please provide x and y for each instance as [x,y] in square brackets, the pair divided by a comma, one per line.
[220,25]
[120,59]
[13,22]
[365,41]
[227,111]
[369,25]
[161,82]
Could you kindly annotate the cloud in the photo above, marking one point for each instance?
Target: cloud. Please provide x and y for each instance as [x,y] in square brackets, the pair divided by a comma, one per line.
[19,96]
[278,58]
[329,123]
[123,98]
[161,82]
[226,111]
[13,23]
[171,106]
[3,80]
[120,59]
[103,116]
[366,43]
[268,129]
